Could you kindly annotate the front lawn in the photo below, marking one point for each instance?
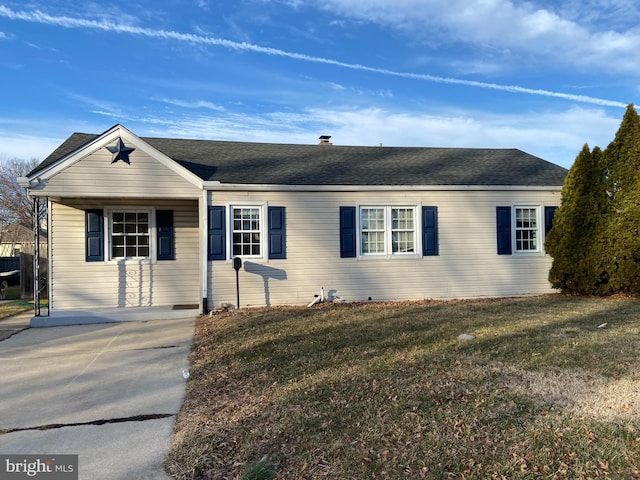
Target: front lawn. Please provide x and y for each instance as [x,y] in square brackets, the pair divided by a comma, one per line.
[549,388]
[9,309]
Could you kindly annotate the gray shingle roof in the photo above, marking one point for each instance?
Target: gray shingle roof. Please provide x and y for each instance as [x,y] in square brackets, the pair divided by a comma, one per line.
[16,232]
[295,164]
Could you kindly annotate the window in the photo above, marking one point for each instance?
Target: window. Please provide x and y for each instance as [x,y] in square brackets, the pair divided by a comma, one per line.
[246,231]
[527,229]
[402,230]
[138,234]
[388,230]
[372,221]
[130,237]
[522,228]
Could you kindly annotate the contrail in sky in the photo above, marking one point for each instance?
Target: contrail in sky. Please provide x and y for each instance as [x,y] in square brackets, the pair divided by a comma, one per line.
[37,16]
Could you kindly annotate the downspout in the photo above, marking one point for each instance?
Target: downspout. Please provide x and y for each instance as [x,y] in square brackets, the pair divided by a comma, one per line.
[49,260]
[204,257]
[36,257]
[26,184]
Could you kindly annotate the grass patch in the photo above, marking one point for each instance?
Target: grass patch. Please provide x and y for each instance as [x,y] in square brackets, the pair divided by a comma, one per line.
[13,308]
[263,469]
[388,391]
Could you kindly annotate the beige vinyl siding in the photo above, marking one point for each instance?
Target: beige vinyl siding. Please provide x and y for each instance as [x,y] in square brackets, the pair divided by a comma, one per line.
[96,176]
[467,265]
[77,284]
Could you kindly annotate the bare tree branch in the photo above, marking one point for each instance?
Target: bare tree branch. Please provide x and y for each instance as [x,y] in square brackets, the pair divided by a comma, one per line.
[15,205]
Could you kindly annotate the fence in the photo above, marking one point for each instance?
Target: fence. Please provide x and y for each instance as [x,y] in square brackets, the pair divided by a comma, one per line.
[8,264]
[18,273]
[10,277]
[26,276]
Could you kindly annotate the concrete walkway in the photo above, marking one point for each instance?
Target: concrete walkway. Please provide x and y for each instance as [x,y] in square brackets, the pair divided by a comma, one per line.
[12,325]
[106,392]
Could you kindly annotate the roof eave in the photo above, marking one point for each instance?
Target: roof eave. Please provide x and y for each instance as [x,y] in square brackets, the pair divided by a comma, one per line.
[218,186]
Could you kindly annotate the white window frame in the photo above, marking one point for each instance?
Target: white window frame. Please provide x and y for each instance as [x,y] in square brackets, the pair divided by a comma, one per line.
[373,231]
[108,219]
[388,231]
[539,235]
[262,208]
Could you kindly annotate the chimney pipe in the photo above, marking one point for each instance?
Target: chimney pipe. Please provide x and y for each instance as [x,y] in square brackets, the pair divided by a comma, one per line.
[324,140]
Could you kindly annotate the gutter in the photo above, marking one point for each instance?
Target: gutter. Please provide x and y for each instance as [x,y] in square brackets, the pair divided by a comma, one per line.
[217,186]
[24,182]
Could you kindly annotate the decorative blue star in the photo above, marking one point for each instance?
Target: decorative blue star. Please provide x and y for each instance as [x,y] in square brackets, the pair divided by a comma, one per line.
[120,152]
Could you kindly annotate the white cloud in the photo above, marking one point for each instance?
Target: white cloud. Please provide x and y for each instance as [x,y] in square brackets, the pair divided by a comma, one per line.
[25,147]
[554,136]
[45,134]
[555,32]
[95,104]
[197,104]
[68,22]
[107,12]
[616,14]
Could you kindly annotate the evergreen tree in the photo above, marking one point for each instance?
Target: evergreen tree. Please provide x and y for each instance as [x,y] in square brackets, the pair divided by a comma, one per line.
[595,268]
[622,157]
[570,241]
[595,240]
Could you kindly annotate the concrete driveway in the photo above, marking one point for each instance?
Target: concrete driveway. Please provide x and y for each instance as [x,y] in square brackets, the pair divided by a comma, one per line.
[106,392]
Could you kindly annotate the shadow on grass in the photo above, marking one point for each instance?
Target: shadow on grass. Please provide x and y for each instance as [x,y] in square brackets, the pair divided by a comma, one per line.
[554,332]
[351,391]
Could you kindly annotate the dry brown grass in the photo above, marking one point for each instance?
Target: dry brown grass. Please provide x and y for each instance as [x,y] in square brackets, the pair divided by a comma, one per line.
[389,391]
[10,309]
[584,394]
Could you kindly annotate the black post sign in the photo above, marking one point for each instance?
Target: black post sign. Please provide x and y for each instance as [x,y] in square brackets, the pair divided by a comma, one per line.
[237,265]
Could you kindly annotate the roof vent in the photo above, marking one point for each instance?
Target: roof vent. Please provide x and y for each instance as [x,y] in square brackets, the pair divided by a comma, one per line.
[324,140]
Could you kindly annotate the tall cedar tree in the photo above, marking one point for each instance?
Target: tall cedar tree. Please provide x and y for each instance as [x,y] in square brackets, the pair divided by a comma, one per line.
[622,159]
[575,224]
[595,240]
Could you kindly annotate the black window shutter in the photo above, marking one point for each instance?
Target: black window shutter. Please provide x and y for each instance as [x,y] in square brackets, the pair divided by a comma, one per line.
[347,232]
[503,223]
[277,233]
[429,231]
[549,212]
[216,229]
[94,235]
[165,235]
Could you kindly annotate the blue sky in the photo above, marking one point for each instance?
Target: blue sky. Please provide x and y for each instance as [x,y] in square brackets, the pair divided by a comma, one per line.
[544,76]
